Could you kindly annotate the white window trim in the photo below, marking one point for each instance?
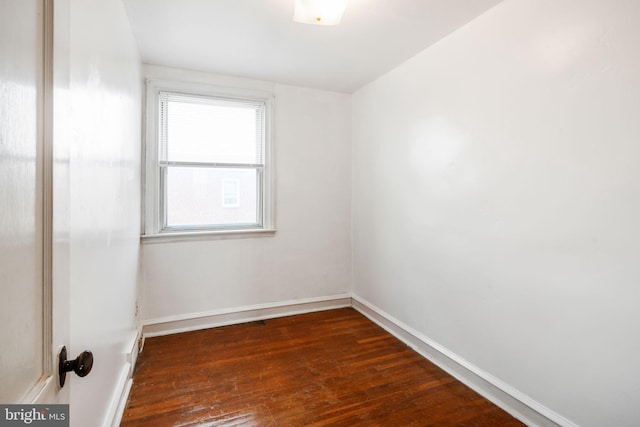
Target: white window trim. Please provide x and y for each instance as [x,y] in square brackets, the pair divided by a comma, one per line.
[151,224]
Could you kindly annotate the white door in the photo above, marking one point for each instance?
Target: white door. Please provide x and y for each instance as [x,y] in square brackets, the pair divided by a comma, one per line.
[33,305]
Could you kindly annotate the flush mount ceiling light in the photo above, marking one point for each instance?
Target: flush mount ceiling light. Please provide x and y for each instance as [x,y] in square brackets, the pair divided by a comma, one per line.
[319,12]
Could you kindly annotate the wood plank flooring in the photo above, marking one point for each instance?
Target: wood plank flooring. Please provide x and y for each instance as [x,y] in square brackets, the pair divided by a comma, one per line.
[331,368]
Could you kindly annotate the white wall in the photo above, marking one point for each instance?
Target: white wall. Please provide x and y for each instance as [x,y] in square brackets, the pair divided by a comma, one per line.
[105,105]
[497,196]
[309,256]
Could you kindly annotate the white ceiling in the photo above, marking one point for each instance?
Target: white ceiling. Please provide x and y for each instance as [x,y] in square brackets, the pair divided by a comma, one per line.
[258,38]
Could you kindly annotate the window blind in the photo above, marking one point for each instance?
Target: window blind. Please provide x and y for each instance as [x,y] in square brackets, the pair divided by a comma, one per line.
[202,129]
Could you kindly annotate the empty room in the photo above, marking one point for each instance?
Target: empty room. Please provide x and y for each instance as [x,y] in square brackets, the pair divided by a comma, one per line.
[320,213]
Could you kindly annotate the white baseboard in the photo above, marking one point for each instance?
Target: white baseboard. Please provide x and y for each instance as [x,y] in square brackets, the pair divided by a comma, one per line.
[117,419]
[136,348]
[212,319]
[119,398]
[506,397]
[125,381]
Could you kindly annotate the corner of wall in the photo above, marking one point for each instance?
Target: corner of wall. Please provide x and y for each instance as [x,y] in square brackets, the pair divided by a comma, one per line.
[506,397]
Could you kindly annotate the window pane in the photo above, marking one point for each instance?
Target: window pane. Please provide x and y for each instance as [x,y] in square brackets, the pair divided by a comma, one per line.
[211,130]
[201,197]
[230,193]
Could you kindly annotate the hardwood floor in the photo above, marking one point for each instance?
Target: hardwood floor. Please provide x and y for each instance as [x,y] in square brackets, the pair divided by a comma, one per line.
[331,368]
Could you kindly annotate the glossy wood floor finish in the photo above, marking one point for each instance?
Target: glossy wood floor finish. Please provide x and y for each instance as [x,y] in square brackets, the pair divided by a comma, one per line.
[332,368]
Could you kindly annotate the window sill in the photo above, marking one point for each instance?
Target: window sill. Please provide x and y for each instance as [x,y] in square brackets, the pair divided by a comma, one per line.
[206,235]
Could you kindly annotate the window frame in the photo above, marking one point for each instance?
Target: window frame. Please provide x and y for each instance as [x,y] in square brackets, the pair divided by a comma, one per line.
[153,185]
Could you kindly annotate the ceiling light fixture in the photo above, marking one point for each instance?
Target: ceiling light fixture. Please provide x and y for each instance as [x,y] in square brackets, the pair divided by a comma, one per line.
[319,12]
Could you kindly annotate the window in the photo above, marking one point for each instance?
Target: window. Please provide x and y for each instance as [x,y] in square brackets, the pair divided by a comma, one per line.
[230,193]
[205,148]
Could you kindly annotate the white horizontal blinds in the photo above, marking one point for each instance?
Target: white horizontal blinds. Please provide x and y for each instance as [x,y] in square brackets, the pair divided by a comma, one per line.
[260,133]
[201,129]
